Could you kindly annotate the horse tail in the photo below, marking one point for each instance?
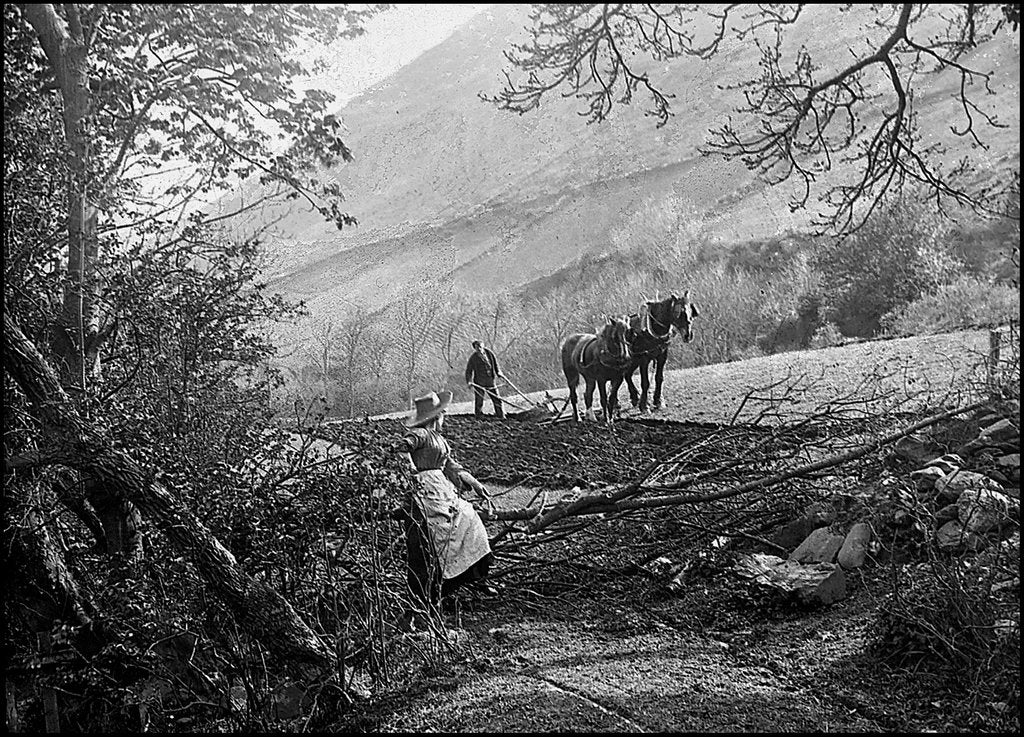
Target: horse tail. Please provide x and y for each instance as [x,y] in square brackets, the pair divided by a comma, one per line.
[572,375]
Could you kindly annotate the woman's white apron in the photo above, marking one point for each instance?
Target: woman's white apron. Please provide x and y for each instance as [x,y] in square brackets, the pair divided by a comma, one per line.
[458,534]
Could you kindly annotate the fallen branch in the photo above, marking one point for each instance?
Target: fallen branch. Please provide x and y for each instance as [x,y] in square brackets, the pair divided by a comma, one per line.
[258,609]
[616,501]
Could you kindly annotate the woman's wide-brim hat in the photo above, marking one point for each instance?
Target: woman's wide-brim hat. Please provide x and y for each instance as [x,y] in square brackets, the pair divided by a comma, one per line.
[428,407]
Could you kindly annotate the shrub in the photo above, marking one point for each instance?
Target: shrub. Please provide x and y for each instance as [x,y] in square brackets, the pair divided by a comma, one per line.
[896,257]
[826,336]
[967,302]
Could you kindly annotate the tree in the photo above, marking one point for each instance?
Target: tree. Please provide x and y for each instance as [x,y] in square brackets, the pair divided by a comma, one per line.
[452,332]
[141,86]
[97,99]
[257,607]
[351,353]
[415,316]
[800,116]
[320,350]
[559,314]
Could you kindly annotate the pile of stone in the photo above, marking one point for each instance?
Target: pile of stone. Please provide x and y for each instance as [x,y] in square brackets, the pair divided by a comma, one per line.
[973,495]
[975,492]
[814,574]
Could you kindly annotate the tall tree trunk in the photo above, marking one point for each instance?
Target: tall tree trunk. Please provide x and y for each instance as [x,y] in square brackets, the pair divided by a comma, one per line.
[77,339]
[63,41]
[258,609]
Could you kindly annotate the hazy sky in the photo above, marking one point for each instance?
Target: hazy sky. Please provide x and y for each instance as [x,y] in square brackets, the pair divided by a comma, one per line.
[392,39]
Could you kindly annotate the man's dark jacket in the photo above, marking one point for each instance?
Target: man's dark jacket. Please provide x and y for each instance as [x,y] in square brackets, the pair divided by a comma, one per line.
[480,370]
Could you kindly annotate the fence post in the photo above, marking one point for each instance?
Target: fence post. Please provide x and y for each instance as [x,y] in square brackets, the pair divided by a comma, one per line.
[51,712]
[13,722]
[993,359]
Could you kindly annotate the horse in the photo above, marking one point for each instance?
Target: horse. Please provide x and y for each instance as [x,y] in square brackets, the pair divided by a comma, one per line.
[650,332]
[599,359]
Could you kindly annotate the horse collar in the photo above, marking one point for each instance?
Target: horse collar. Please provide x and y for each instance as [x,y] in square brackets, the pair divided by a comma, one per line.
[648,318]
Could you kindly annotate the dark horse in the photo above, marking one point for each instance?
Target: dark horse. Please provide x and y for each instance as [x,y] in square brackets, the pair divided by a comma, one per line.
[598,359]
[650,332]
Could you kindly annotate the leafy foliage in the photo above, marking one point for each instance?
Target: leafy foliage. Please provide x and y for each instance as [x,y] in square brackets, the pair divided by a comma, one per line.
[206,85]
[967,302]
[898,256]
[34,175]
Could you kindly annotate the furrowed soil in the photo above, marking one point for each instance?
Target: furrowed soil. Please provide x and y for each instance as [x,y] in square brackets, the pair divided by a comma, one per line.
[586,634]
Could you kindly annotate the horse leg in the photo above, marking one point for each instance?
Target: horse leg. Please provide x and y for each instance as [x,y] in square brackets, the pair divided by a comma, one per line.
[572,379]
[616,383]
[605,409]
[659,374]
[645,385]
[588,397]
[634,395]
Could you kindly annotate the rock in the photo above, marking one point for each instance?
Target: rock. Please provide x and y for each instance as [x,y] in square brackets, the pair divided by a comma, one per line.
[989,418]
[820,546]
[949,463]
[917,450]
[980,510]
[948,513]
[1002,430]
[925,478]
[855,546]
[952,486]
[659,566]
[818,514]
[289,701]
[998,477]
[970,448]
[1009,461]
[809,584]
[951,537]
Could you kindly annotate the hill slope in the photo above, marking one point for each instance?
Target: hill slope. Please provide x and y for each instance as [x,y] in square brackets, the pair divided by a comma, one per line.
[448,187]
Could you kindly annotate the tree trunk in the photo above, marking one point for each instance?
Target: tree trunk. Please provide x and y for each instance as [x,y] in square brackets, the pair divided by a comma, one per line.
[258,609]
[44,584]
[63,42]
[77,339]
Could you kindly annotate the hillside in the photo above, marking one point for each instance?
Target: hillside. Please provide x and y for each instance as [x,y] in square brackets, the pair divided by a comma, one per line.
[448,187]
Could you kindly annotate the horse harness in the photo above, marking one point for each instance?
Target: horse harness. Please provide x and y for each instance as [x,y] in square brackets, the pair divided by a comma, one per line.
[580,352]
[661,341]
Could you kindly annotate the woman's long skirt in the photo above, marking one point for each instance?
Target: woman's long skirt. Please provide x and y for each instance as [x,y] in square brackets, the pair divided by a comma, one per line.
[447,542]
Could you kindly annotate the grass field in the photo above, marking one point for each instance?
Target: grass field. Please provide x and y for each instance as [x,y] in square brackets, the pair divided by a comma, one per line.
[926,370]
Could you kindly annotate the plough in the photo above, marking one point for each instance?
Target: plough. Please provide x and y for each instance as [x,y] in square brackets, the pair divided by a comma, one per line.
[545,410]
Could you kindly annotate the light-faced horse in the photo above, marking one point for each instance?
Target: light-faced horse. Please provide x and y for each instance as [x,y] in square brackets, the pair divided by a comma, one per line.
[651,331]
[599,359]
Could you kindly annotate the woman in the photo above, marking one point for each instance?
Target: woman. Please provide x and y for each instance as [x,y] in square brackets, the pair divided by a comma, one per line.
[447,544]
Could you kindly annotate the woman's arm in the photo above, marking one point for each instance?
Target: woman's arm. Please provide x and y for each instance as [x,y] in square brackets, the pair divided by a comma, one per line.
[454,469]
[408,457]
[406,445]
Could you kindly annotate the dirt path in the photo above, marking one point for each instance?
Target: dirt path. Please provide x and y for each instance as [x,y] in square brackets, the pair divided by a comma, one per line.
[660,665]
[580,677]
